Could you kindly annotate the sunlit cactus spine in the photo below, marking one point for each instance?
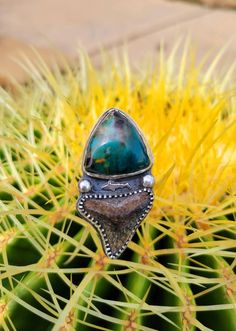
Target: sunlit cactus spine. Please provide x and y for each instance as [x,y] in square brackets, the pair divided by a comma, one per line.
[178,273]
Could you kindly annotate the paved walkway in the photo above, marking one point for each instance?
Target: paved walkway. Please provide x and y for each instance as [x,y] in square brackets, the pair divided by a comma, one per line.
[54,26]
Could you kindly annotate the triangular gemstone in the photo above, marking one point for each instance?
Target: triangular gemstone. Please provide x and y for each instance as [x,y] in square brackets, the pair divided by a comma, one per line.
[115,147]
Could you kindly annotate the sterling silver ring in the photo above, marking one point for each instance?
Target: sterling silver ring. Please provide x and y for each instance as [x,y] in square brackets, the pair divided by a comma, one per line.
[116,187]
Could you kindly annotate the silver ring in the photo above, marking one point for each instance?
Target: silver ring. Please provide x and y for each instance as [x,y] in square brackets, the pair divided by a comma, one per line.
[116,187]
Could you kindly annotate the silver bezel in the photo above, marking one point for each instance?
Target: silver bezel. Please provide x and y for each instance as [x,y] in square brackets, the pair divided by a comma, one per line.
[101,231]
[122,175]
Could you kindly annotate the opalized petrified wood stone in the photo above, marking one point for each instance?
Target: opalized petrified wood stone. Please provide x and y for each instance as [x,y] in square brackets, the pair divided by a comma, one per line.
[118,217]
[116,147]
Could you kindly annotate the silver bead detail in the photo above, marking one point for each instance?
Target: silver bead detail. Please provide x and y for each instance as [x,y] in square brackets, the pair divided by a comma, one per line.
[148,181]
[84,185]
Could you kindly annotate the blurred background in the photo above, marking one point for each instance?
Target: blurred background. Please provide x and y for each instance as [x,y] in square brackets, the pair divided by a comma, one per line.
[55,27]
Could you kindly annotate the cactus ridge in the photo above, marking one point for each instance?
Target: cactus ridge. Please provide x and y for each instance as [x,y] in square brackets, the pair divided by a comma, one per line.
[178,272]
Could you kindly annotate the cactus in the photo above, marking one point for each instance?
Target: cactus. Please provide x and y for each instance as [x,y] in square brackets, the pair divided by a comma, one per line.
[178,273]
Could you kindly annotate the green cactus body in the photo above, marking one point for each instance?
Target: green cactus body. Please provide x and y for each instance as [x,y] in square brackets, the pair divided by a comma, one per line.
[178,272]
[33,287]
[217,293]
[185,317]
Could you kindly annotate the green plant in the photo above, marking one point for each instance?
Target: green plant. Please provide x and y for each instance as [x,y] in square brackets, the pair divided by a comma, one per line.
[178,273]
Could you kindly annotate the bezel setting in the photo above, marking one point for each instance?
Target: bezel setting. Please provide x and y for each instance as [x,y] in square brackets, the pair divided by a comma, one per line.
[101,118]
[101,230]
[129,196]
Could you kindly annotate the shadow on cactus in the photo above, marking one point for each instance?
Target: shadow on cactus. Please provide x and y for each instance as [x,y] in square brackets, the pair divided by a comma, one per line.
[178,272]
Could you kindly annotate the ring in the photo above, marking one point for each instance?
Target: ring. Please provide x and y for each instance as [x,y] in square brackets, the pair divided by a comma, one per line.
[116,187]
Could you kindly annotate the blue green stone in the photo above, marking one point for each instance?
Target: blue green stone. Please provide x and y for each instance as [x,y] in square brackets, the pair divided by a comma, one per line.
[116,147]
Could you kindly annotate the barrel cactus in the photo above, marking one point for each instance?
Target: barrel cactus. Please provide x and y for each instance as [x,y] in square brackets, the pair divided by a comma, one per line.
[178,272]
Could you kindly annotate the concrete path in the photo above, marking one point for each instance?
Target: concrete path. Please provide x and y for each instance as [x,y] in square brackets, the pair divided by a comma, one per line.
[54,26]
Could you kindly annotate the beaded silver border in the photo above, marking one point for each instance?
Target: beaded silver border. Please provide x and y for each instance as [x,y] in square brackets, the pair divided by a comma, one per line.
[100,229]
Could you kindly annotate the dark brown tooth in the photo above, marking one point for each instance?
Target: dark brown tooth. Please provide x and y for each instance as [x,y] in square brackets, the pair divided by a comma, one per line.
[118,217]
